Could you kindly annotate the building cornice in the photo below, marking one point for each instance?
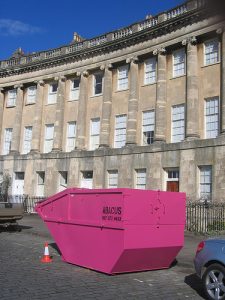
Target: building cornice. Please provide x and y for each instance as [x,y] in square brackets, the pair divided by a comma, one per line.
[190,12]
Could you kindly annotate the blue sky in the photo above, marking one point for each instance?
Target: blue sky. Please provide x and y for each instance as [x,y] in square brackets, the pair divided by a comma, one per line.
[37,25]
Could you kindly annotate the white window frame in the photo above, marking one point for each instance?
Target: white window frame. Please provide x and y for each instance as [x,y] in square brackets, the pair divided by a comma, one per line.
[215,54]
[95,83]
[179,65]
[112,179]
[122,78]
[177,123]
[211,117]
[74,91]
[52,95]
[48,143]
[31,94]
[27,139]
[71,136]
[148,127]
[94,133]
[140,179]
[150,71]
[63,180]
[40,183]
[12,95]
[205,183]
[120,131]
[7,141]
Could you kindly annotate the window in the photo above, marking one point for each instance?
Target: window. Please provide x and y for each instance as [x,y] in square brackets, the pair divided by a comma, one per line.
[211,52]
[71,136]
[86,179]
[11,98]
[94,133]
[40,184]
[148,125]
[172,184]
[120,131]
[7,141]
[27,139]
[31,94]
[98,82]
[62,180]
[205,182]
[112,179]
[52,93]
[141,179]
[212,118]
[177,123]
[150,71]
[122,78]
[75,89]
[49,133]
[179,62]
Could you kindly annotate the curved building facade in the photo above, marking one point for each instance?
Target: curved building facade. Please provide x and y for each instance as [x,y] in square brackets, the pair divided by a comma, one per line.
[140,107]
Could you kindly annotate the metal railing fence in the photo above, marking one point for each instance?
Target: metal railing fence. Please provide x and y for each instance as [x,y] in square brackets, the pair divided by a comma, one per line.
[201,217]
[205,217]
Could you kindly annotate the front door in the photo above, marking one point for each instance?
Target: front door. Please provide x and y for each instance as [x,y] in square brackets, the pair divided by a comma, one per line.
[19,184]
[172,186]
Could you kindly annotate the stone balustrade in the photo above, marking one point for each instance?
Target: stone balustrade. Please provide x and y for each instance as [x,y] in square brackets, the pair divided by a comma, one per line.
[116,35]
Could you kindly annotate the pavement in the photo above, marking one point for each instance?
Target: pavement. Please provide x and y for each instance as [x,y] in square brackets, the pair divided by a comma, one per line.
[23,276]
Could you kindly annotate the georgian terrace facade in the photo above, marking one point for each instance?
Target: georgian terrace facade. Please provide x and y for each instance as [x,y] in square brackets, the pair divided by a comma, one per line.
[142,107]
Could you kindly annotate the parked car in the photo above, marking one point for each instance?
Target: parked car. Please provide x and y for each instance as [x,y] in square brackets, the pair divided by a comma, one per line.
[210,267]
[10,213]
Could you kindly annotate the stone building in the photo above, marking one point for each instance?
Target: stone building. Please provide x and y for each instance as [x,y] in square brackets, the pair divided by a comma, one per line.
[140,107]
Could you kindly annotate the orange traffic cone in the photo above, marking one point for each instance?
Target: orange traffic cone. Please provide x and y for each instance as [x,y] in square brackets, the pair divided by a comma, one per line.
[46,257]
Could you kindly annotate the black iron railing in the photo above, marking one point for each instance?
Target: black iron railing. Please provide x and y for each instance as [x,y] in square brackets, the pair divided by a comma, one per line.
[27,201]
[205,217]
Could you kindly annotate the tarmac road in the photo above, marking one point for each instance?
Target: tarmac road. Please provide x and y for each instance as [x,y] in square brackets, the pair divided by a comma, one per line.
[23,276]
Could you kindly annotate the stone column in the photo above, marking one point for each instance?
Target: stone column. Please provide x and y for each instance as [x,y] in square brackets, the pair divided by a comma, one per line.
[2,100]
[223,82]
[131,138]
[192,96]
[82,110]
[160,110]
[58,127]
[15,147]
[36,132]
[106,108]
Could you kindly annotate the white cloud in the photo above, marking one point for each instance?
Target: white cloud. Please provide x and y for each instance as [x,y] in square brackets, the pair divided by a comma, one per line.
[10,27]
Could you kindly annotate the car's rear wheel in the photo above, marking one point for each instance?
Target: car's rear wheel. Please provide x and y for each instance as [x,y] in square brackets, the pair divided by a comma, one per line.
[214,282]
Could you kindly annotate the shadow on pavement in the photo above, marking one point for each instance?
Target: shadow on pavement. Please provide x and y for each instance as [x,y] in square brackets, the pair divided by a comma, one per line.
[13,228]
[195,283]
[55,247]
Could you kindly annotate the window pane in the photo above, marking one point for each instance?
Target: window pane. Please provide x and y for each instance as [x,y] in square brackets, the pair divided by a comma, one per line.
[148,126]
[75,89]
[12,97]
[49,132]
[71,136]
[211,118]
[206,182]
[122,77]
[27,139]
[112,179]
[7,141]
[178,123]
[31,94]
[94,133]
[211,52]
[179,62]
[150,71]
[141,179]
[120,131]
